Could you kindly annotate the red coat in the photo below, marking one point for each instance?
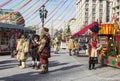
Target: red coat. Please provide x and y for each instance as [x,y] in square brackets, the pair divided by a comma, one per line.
[44,49]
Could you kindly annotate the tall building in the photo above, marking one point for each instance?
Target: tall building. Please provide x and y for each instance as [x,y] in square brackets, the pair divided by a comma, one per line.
[11,17]
[89,11]
[72,25]
[116,9]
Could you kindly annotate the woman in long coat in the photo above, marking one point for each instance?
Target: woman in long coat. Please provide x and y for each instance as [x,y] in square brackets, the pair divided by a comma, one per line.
[22,51]
[44,50]
[93,56]
[77,47]
[71,45]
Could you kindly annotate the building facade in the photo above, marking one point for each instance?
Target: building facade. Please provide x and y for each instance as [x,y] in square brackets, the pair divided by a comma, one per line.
[11,17]
[72,25]
[89,11]
[116,9]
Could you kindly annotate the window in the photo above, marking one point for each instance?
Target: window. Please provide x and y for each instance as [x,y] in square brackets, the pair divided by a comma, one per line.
[4,39]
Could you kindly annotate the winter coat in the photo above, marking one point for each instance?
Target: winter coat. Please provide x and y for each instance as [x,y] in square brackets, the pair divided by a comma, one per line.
[77,46]
[22,49]
[71,44]
[34,49]
[44,47]
[94,48]
[56,44]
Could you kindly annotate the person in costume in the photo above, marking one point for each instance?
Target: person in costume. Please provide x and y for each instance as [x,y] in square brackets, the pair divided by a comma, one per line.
[56,45]
[44,50]
[22,51]
[12,45]
[77,47]
[71,45]
[94,46]
[34,53]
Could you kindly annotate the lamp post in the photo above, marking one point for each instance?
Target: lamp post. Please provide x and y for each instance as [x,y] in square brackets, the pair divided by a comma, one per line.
[43,14]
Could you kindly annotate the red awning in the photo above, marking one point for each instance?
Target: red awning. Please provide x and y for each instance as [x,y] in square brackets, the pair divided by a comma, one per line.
[82,31]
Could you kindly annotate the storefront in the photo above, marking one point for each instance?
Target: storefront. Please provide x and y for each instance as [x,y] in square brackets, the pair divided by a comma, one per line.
[6,31]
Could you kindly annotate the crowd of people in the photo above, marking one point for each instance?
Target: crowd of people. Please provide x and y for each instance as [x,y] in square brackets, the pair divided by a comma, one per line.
[39,48]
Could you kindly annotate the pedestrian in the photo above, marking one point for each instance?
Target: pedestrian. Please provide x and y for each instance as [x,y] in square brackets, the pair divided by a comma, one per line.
[34,52]
[71,45]
[77,47]
[52,42]
[93,56]
[22,51]
[44,50]
[56,45]
[12,45]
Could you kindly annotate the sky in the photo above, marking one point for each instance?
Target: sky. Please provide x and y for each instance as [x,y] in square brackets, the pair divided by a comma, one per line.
[59,11]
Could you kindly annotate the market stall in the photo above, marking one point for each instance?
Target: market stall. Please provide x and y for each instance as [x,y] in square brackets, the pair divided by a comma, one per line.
[6,31]
[109,37]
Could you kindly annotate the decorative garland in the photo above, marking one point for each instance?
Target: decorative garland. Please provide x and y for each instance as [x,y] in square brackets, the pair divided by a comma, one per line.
[11,14]
[5,3]
[30,19]
[19,18]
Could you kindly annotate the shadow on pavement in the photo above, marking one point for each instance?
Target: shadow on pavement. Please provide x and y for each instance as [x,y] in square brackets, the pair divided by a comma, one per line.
[8,61]
[66,68]
[101,66]
[30,76]
[55,63]
[7,64]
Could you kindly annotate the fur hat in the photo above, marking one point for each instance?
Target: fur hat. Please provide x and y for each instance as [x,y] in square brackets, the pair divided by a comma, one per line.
[46,29]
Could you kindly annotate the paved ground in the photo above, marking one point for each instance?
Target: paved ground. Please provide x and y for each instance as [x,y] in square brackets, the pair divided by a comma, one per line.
[62,68]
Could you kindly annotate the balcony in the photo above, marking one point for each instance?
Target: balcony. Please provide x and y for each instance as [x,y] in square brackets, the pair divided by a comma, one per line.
[117,5]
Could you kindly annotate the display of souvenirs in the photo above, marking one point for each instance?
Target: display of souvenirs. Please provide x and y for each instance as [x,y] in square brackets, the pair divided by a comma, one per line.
[104,51]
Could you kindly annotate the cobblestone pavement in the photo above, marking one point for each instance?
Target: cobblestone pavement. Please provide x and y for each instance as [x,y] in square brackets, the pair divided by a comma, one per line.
[62,68]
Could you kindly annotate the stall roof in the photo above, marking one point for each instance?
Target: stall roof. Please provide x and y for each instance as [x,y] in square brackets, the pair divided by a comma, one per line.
[82,31]
[6,25]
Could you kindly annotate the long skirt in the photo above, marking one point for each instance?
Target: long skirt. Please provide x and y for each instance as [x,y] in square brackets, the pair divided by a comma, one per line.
[43,60]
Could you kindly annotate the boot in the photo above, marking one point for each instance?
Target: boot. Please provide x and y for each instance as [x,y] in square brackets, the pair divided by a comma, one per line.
[74,52]
[43,69]
[89,66]
[20,63]
[33,64]
[23,65]
[47,68]
[37,65]
[70,53]
[93,66]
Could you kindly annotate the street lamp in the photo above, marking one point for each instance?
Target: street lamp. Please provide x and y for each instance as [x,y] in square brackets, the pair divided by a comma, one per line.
[43,14]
